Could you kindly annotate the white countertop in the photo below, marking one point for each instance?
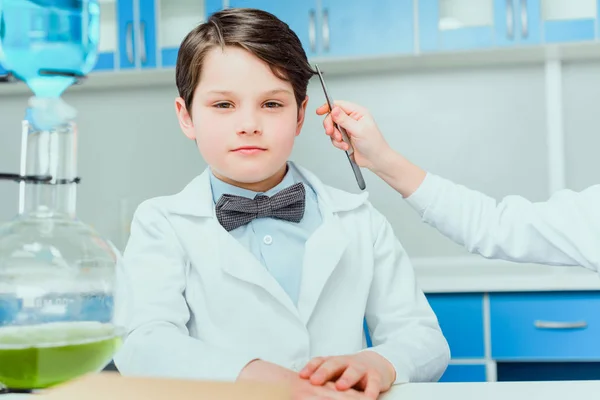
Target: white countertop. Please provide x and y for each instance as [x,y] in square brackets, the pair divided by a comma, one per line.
[495,391]
[477,274]
[558,390]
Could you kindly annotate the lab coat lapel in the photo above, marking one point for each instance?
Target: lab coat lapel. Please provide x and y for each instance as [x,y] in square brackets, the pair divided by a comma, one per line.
[222,249]
[325,248]
[323,252]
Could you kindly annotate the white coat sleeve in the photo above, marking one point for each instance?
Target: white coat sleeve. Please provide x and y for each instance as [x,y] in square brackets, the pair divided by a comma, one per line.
[403,327]
[565,230]
[151,306]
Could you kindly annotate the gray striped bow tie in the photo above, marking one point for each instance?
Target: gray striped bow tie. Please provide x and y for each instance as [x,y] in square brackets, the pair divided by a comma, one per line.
[235,211]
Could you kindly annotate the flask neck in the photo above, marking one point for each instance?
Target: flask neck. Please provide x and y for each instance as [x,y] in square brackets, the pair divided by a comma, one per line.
[51,152]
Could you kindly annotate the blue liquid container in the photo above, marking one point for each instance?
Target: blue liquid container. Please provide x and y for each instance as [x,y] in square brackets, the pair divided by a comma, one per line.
[46,43]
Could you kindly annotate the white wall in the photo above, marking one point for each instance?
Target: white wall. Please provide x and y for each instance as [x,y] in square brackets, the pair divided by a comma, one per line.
[484,128]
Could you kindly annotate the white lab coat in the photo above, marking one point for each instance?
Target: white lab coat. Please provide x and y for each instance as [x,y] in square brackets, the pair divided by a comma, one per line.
[196,304]
[565,230]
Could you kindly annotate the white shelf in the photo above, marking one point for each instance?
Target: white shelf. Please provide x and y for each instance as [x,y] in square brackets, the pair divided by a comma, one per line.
[350,66]
[475,274]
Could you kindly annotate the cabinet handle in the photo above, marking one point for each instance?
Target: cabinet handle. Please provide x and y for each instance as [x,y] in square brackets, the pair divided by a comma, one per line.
[510,20]
[312,31]
[560,325]
[326,32]
[524,19]
[143,42]
[129,42]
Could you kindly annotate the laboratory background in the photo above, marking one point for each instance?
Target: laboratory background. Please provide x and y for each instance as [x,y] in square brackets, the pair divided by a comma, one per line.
[502,96]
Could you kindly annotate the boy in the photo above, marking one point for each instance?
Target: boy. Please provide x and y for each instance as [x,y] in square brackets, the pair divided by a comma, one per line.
[242,275]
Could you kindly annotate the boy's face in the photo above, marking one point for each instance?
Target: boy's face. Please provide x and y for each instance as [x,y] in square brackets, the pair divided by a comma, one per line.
[243,118]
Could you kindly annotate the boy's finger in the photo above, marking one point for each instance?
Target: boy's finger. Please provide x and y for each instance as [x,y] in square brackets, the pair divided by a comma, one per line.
[312,366]
[373,387]
[328,371]
[349,378]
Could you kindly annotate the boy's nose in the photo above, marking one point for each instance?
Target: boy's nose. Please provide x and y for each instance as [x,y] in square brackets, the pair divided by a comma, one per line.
[248,122]
[249,128]
[249,131]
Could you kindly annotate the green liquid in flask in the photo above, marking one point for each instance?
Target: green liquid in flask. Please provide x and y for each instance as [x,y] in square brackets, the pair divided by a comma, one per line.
[40,356]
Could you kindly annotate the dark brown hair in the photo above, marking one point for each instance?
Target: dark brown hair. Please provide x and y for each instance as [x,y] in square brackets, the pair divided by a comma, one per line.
[256,31]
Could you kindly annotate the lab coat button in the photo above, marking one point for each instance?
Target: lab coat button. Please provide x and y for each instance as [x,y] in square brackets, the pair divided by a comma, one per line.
[268,239]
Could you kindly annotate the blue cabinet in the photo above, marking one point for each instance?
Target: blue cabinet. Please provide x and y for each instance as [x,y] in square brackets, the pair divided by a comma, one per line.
[146,34]
[460,25]
[455,25]
[461,319]
[361,28]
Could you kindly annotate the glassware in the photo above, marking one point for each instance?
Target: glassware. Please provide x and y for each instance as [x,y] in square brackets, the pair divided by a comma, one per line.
[57,275]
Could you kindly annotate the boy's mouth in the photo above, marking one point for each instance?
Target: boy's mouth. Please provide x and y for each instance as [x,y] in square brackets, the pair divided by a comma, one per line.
[249,150]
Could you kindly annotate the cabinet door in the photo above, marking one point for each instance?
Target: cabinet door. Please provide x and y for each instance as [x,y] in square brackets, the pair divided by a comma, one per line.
[108,44]
[146,33]
[357,28]
[569,20]
[126,29]
[461,318]
[517,22]
[455,24]
[300,15]
[177,19]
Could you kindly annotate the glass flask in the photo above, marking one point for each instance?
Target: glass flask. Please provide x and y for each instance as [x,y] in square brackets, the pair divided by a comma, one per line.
[57,275]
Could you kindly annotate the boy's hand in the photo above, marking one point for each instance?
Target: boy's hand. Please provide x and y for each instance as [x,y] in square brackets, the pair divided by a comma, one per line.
[368,142]
[366,371]
[301,389]
[304,390]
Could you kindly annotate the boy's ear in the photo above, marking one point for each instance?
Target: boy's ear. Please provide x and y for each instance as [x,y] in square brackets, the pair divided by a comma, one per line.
[301,115]
[185,119]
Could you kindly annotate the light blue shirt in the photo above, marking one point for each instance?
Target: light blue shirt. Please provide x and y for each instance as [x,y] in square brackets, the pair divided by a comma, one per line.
[277,244]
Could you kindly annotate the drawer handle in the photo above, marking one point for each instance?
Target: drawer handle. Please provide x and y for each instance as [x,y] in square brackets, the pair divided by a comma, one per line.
[524,19]
[560,325]
[129,42]
[312,30]
[510,22]
[326,33]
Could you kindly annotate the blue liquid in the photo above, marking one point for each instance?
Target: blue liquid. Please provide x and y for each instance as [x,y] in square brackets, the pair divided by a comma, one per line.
[55,35]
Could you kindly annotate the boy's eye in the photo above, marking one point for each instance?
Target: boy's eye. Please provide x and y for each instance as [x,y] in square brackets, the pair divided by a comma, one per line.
[272,104]
[223,105]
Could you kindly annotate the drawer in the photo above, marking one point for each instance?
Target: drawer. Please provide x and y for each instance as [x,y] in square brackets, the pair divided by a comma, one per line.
[461,320]
[464,373]
[545,326]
